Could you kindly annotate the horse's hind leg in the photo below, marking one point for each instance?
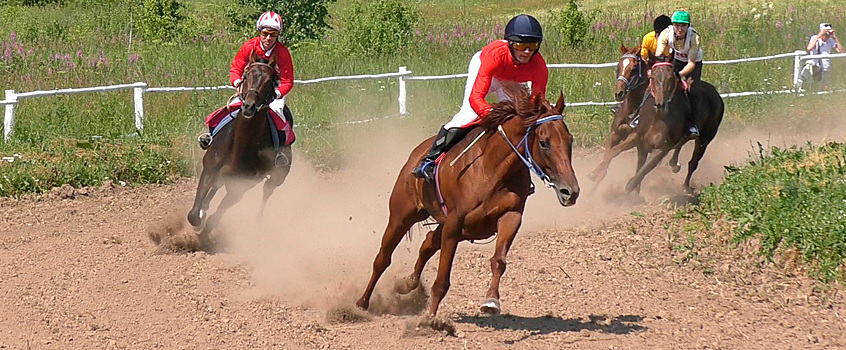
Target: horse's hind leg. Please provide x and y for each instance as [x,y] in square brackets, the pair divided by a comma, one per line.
[277,178]
[698,152]
[403,216]
[634,182]
[429,247]
[507,226]
[449,244]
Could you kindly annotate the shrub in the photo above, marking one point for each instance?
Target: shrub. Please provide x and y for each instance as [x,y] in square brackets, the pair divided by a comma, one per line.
[301,19]
[162,20]
[377,27]
[572,24]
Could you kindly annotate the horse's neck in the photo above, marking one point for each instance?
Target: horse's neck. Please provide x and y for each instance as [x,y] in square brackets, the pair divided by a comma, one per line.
[505,157]
[248,131]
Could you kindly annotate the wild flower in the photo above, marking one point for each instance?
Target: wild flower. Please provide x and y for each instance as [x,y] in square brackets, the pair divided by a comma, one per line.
[779,24]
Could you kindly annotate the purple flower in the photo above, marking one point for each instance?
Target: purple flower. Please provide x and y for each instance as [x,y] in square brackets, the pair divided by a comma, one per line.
[7,53]
[779,25]
[134,58]
[13,36]
[598,26]
[79,53]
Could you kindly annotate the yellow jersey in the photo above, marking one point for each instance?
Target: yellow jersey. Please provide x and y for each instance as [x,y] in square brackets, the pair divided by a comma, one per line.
[650,45]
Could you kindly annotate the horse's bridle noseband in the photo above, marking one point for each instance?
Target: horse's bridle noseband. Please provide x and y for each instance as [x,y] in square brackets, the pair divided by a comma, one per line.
[264,104]
[527,158]
[638,79]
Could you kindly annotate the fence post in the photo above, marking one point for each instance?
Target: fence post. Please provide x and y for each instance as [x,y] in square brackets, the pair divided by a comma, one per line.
[9,119]
[138,93]
[403,108]
[797,68]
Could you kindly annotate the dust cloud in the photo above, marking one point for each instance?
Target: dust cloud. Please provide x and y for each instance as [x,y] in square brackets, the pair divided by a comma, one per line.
[321,231]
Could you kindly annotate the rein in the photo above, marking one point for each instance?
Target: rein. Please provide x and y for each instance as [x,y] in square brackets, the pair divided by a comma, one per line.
[266,103]
[638,80]
[659,64]
[527,158]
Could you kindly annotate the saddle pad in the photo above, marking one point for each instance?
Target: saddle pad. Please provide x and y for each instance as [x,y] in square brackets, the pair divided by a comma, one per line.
[214,119]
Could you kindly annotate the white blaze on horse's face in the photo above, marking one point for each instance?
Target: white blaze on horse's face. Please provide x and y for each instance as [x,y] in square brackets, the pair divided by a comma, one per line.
[627,62]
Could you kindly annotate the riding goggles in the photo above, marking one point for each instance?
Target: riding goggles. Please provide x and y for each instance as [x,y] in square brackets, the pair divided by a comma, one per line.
[523,46]
[272,33]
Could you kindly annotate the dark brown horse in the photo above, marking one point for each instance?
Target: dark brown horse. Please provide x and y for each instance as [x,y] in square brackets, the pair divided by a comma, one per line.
[242,153]
[630,90]
[484,191]
[662,128]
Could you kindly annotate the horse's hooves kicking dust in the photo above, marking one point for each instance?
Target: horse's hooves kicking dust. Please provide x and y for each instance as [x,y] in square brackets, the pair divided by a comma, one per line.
[429,326]
[174,235]
[347,314]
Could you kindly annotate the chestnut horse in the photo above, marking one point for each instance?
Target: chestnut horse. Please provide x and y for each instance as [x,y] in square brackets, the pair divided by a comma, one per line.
[630,90]
[484,191]
[662,128]
[242,153]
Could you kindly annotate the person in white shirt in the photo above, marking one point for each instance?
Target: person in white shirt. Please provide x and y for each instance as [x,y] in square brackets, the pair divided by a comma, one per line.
[823,43]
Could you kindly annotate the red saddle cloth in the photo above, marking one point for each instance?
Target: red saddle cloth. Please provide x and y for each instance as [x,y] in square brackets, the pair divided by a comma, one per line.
[213,119]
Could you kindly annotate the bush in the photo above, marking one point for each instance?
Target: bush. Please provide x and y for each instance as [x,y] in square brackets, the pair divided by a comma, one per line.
[790,199]
[301,19]
[572,24]
[377,27]
[162,20]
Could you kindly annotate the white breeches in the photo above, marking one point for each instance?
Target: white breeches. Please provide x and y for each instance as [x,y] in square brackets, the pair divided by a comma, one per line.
[277,105]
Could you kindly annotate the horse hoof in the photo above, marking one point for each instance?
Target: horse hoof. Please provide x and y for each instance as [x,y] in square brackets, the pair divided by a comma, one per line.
[675,168]
[405,286]
[491,307]
[196,220]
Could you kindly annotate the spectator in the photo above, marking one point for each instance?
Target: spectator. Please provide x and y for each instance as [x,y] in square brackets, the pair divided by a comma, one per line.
[821,44]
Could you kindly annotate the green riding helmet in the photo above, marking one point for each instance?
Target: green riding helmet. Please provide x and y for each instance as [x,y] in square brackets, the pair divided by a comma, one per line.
[681,17]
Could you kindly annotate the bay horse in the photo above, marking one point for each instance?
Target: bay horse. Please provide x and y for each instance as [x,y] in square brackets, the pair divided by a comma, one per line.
[662,128]
[242,154]
[630,90]
[483,192]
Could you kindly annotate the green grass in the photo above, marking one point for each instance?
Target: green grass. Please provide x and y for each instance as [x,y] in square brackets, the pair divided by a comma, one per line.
[79,46]
[790,199]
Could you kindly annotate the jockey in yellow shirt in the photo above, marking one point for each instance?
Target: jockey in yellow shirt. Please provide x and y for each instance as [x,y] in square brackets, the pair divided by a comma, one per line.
[650,40]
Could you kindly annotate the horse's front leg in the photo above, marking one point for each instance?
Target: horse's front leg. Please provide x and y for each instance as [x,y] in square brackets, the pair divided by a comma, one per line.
[507,227]
[429,247]
[449,244]
[234,194]
[601,170]
[674,160]
[277,178]
[634,182]
[698,152]
[206,188]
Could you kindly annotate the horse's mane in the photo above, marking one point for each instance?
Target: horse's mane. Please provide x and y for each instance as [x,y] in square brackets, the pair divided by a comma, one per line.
[521,105]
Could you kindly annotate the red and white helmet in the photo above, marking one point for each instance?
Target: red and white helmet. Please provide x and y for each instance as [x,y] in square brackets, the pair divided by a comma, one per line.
[269,19]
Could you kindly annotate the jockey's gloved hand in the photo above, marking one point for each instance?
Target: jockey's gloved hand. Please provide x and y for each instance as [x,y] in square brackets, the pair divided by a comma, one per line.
[278,94]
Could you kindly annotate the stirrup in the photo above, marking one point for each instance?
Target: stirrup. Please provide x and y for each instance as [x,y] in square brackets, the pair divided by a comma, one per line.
[634,122]
[693,131]
[205,140]
[421,171]
[281,160]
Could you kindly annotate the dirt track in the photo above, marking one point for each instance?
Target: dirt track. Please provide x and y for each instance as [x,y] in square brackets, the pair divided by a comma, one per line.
[82,273]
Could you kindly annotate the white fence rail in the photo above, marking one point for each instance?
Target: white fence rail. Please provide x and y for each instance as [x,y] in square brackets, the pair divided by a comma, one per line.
[12,98]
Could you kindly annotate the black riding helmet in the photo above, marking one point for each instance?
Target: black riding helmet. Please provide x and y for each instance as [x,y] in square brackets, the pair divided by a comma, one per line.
[523,29]
[661,22]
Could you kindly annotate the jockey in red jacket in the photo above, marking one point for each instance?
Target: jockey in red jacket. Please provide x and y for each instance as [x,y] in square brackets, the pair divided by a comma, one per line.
[514,59]
[264,46]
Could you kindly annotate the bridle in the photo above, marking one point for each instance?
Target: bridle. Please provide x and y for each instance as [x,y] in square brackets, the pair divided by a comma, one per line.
[638,80]
[263,104]
[527,158]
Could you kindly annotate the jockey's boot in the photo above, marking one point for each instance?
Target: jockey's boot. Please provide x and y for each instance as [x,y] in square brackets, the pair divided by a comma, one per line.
[281,158]
[635,120]
[615,108]
[205,140]
[693,131]
[443,142]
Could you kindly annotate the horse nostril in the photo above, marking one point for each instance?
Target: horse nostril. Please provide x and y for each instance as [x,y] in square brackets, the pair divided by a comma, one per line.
[564,192]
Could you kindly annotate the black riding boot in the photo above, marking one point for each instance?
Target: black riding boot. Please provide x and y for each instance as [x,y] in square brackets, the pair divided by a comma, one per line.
[444,140]
[692,130]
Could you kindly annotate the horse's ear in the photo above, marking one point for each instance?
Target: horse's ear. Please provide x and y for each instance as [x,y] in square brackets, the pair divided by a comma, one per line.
[651,60]
[559,106]
[623,49]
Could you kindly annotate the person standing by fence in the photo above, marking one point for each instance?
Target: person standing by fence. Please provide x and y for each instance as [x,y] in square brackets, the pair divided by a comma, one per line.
[821,44]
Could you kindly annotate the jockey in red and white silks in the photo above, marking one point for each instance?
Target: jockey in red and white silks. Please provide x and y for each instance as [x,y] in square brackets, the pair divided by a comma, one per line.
[514,59]
[265,46]
[487,71]
[284,66]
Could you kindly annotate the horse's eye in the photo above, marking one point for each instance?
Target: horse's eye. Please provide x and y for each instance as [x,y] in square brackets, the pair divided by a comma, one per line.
[544,144]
